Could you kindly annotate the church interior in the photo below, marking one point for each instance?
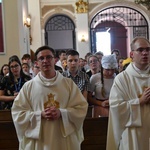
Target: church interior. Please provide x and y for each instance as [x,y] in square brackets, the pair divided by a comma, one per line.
[26,25]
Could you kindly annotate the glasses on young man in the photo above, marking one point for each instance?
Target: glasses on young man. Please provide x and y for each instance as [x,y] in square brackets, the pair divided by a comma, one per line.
[141,50]
[48,58]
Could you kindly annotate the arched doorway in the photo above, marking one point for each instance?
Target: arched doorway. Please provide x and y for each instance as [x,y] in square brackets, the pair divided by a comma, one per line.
[60,32]
[123,23]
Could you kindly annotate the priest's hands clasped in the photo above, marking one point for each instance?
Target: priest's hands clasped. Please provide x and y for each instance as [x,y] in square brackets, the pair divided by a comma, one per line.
[145,98]
[51,113]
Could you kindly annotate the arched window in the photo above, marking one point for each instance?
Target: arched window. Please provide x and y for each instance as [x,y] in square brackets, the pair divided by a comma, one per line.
[60,32]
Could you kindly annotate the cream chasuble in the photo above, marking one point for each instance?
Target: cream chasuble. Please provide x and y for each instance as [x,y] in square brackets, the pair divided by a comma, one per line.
[129,123]
[35,133]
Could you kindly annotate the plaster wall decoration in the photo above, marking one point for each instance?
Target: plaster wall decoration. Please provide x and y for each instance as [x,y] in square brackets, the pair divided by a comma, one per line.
[51,10]
[93,5]
[46,9]
[81,6]
[58,9]
[103,6]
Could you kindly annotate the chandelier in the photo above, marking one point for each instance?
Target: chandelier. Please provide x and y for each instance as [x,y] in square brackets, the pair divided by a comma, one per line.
[146,3]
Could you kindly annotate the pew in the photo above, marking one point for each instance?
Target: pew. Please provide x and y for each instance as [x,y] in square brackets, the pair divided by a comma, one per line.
[95,128]
[95,133]
[8,137]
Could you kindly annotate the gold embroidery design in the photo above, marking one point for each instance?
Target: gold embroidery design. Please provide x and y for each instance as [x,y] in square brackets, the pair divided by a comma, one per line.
[51,101]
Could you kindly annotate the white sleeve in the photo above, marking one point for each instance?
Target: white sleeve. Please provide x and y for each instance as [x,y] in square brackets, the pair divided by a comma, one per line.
[27,122]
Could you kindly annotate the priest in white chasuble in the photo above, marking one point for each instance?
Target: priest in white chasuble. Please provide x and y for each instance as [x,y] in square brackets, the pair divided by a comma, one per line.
[49,111]
[129,118]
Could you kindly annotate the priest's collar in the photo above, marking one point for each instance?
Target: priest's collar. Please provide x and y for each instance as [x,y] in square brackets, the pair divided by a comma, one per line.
[142,71]
[48,80]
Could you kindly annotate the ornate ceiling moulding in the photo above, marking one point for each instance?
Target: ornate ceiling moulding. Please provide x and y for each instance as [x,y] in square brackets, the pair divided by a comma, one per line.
[58,9]
[93,5]
[46,9]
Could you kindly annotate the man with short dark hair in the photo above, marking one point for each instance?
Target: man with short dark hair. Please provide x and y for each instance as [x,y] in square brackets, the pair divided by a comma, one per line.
[26,58]
[49,111]
[73,71]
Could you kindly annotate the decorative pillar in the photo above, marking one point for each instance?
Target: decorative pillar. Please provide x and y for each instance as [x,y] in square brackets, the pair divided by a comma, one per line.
[35,24]
[82,30]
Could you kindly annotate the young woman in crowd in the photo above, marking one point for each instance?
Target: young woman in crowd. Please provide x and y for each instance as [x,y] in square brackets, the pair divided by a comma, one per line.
[101,83]
[94,64]
[10,85]
[4,70]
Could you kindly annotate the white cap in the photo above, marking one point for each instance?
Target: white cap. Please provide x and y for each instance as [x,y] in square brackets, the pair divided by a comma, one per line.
[109,62]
